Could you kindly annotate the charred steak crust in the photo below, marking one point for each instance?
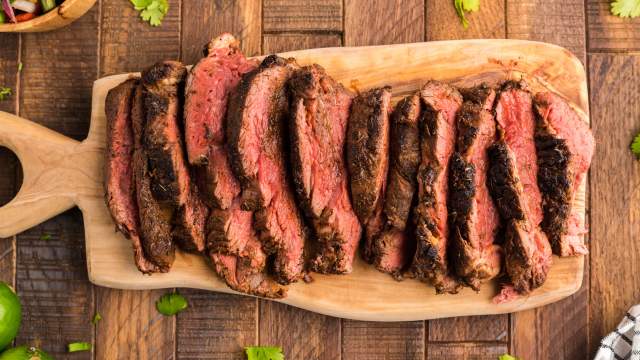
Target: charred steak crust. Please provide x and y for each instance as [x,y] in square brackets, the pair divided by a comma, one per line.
[318,124]
[120,192]
[155,218]
[438,136]
[565,147]
[472,215]
[170,178]
[394,247]
[257,141]
[368,160]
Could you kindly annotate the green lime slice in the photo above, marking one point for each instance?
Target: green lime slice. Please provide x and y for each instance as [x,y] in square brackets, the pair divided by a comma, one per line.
[25,353]
[10,315]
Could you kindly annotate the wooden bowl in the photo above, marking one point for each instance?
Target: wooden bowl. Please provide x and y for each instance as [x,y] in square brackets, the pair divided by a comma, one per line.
[62,15]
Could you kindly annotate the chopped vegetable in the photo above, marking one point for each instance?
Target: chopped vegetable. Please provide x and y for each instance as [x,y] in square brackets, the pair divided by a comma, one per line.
[264,353]
[3,17]
[10,315]
[24,5]
[25,17]
[152,11]
[45,237]
[79,346]
[466,5]
[5,92]
[8,10]
[507,357]
[47,5]
[96,318]
[635,146]
[171,304]
[625,8]
[24,352]
[20,66]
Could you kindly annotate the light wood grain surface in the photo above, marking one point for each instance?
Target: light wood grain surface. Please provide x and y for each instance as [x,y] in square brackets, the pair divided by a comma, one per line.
[50,272]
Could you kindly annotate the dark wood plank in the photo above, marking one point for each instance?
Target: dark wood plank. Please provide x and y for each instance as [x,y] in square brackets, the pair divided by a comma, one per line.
[471,328]
[371,340]
[615,221]
[442,22]
[466,351]
[131,327]
[216,326]
[379,22]
[9,51]
[302,15]
[560,329]
[301,334]
[608,32]
[557,22]
[129,44]
[51,275]
[289,42]
[204,19]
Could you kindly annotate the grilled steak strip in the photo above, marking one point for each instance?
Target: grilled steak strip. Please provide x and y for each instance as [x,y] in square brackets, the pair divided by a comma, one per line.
[512,181]
[368,160]
[394,247]
[208,86]
[438,136]
[155,218]
[257,138]
[170,178]
[565,146]
[472,214]
[120,193]
[318,125]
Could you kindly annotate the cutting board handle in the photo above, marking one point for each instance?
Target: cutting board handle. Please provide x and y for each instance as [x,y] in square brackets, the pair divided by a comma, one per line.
[50,173]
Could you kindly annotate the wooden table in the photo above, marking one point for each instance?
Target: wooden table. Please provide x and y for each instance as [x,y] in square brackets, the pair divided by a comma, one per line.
[47,265]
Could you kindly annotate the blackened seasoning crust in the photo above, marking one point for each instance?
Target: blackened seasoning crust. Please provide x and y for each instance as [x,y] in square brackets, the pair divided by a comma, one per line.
[438,136]
[170,178]
[257,141]
[318,125]
[368,160]
[472,214]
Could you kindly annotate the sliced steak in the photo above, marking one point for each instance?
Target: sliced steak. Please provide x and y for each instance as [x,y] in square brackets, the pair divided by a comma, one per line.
[565,146]
[318,126]
[473,217]
[170,178]
[438,137]
[154,217]
[119,181]
[368,161]
[394,247]
[208,86]
[257,142]
[512,181]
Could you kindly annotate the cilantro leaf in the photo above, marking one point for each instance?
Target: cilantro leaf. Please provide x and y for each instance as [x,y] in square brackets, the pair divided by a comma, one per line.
[45,237]
[625,8]
[96,318]
[507,357]
[465,5]
[5,92]
[264,353]
[171,304]
[152,11]
[635,146]
[79,346]
[20,66]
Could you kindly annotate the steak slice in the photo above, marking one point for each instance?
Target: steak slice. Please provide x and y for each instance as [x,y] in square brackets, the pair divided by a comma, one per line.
[368,161]
[472,214]
[394,247]
[170,178]
[257,139]
[512,181]
[237,254]
[155,218]
[438,137]
[208,86]
[120,193]
[318,125]
[565,146]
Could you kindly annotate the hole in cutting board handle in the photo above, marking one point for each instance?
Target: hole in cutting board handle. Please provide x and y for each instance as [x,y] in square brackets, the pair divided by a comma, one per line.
[10,175]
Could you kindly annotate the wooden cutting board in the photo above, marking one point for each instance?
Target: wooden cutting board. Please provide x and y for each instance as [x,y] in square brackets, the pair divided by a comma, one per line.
[60,173]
